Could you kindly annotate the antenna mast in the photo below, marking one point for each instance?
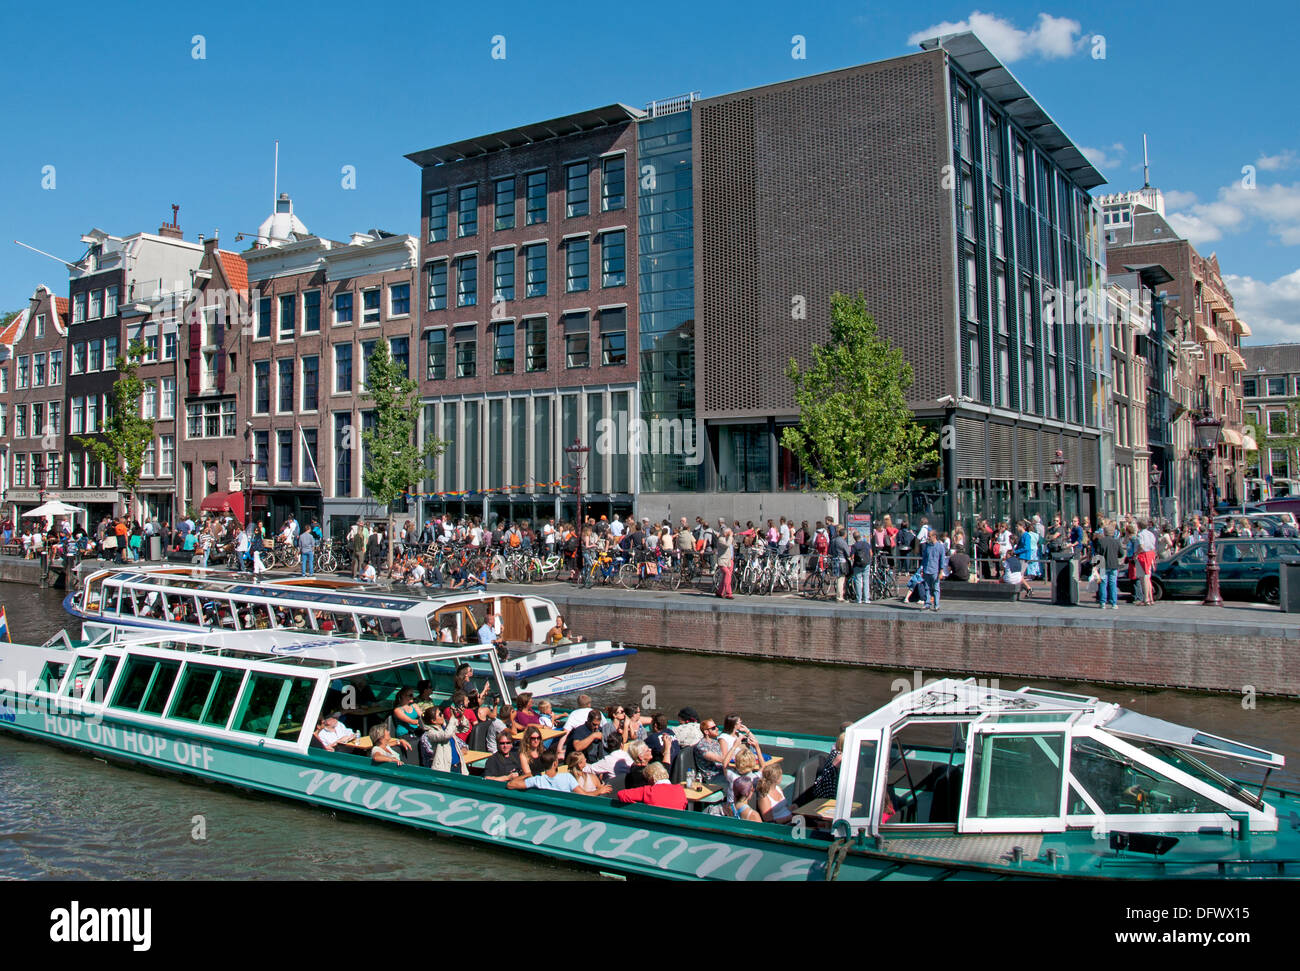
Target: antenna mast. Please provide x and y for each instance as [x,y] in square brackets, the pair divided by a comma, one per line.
[1146,167]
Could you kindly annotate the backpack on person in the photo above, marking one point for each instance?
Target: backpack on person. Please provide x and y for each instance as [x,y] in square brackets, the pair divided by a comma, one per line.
[821,544]
[905,539]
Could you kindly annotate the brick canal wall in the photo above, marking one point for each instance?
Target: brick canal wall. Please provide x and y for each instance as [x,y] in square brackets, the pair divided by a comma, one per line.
[1110,648]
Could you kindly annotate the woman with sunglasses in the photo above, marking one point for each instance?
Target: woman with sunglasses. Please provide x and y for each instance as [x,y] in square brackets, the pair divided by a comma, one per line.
[530,751]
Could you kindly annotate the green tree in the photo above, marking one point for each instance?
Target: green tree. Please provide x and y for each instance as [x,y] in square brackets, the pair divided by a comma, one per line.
[125,435]
[395,462]
[856,434]
[6,316]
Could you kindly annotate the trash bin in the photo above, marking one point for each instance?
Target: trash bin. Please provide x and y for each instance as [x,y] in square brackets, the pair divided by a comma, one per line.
[1289,587]
[1065,579]
[155,548]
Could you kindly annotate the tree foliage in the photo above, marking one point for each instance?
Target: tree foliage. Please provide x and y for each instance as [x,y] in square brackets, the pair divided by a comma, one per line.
[856,434]
[395,462]
[1290,440]
[125,435]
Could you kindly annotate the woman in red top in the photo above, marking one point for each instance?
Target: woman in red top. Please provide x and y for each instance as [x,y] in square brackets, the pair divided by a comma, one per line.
[460,716]
[523,715]
[660,792]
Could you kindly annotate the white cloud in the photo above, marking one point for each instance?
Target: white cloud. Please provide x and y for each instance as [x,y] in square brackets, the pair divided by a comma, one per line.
[1271,309]
[1174,199]
[1273,163]
[1238,207]
[1104,158]
[1051,37]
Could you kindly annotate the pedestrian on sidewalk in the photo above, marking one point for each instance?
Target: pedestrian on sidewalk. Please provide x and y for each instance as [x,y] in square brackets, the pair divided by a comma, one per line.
[840,551]
[1107,547]
[726,562]
[861,553]
[934,560]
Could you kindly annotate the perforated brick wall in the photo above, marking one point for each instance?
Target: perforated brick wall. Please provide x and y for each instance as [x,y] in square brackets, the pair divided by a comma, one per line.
[804,188]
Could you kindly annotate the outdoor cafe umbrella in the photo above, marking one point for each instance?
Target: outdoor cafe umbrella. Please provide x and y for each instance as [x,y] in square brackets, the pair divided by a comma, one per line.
[51,509]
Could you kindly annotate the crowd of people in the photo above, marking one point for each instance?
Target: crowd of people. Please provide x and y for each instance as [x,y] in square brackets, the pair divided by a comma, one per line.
[619,751]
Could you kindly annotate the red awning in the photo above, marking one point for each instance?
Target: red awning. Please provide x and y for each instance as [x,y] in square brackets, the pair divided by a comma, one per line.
[225,502]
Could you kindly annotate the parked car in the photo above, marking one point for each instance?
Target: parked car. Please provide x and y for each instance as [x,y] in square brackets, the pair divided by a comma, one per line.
[1275,524]
[1249,569]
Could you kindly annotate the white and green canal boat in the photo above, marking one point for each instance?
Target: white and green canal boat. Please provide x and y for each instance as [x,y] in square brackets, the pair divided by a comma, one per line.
[952,781]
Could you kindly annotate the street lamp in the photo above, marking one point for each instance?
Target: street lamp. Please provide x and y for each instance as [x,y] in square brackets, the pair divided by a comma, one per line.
[1058,468]
[1207,430]
[1155,484]
[577,455]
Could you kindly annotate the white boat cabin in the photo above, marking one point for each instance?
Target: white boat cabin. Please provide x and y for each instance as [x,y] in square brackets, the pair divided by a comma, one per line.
[970,759]
[267,688]
[168,597]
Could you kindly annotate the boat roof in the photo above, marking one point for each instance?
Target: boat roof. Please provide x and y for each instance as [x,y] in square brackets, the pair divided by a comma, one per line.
[199,581]
[303,649]
[969,700]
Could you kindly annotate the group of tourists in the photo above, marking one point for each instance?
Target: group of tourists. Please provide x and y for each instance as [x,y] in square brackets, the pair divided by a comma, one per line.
[620,750]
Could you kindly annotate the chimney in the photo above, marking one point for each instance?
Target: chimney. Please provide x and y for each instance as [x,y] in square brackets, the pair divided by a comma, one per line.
[172,230]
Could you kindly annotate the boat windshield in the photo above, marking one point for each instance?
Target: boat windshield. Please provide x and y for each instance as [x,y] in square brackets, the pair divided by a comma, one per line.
[1195,767]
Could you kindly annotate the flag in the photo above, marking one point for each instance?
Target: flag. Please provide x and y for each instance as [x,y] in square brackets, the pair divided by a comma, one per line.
[4,624]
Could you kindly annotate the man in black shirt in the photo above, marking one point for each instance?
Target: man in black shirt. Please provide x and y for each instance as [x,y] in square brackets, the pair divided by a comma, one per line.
[959,564]
[861,553]
[504,764]
[655,739]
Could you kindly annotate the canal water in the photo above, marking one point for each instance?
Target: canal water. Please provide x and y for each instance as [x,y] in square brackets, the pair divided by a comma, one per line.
[69,816]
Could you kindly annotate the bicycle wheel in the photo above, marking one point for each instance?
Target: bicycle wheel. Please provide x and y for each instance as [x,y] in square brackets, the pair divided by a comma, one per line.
[629,576]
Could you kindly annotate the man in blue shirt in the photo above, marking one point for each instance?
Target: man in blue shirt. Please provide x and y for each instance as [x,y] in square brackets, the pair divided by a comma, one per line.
[934,560]
[547,775]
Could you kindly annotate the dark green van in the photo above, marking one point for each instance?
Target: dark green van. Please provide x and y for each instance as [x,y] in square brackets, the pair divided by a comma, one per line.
[1248,569]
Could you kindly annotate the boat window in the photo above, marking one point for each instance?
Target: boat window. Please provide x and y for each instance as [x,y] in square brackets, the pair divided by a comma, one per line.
[1187,763]
[196,686]
[1120,785]
[52,676]
[108,604]
[1016,776]
[146,683]
[345,623]
[391,627]
[261,616]
[222,701]
[387,683]
[76,684]
[274,705]
[541,613]
[98,689]
[925,770]
[126,603]
[93,591]
[862,782]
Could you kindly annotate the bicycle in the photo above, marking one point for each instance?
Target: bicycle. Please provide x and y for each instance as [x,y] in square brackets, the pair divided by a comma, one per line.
[602,569]
[819,583]
[882,581]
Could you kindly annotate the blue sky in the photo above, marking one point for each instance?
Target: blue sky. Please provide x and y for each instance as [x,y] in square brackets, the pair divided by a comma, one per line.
[112,96]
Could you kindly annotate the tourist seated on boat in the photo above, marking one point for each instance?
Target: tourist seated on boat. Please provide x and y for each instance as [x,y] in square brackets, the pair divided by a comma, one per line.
[545,714]
[640,723]
[385,748]
[642,758]
[587,738]
[738,806]
[503,765]
[615,763]
[656,791]
[531,750]
[660,737]
[559,634]
[489,712]
[523,714]
[710,757]
[688,730]
[744,766]
[733,728]
[406,716]
[579,714]
[300,619]
[460,716]
[331,732]
[463,680]
[438,748]
[588,782]
[546,775]
[828,779]
[772,804]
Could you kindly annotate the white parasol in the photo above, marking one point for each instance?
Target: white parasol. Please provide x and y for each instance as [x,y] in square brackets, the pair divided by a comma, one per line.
[53,508]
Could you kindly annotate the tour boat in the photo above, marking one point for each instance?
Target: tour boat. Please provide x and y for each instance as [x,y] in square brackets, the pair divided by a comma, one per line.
[1030,785]
[133,601]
